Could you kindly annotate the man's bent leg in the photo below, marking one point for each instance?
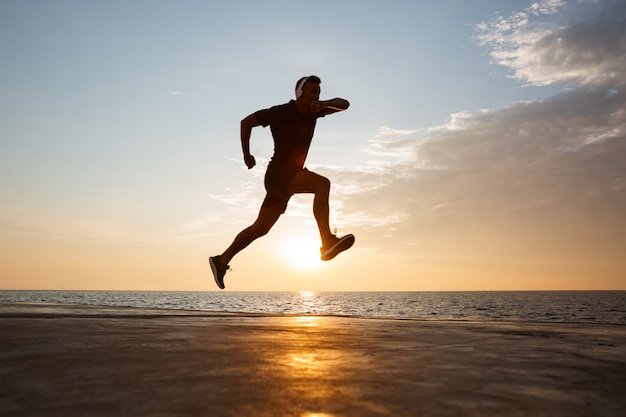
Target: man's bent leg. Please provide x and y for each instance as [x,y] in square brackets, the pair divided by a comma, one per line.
[266,219]
[306,181]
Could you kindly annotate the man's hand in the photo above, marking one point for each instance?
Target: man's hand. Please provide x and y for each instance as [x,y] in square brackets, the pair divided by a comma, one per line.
[249,160]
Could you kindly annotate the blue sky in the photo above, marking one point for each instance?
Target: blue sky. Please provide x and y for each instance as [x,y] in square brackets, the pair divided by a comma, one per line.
[120,157]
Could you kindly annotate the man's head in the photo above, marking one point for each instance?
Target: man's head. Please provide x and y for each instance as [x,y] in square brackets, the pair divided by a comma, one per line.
[308,88]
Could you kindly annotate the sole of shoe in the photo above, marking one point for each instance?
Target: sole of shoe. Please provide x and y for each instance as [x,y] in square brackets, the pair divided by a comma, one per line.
[214,269]
[342,244]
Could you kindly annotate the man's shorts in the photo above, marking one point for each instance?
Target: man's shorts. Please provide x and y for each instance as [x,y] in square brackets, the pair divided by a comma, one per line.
[277,180]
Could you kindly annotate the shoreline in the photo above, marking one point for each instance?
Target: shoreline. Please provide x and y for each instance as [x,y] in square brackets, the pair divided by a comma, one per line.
[130,361]
[154,312]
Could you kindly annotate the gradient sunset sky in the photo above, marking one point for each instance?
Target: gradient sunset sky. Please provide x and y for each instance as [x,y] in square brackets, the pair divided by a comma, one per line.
[484,148]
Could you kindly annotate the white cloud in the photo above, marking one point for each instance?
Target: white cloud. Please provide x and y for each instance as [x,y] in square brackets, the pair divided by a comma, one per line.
[527,140]
[546,7]
[556,41]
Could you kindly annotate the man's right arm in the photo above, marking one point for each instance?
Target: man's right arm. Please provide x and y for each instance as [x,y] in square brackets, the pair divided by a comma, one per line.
[246,131]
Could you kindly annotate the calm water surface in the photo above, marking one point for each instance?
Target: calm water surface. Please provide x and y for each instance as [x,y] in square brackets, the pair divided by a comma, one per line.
[608,307]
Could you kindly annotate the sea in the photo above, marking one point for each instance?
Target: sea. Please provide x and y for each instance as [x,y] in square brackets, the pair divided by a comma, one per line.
[604,307]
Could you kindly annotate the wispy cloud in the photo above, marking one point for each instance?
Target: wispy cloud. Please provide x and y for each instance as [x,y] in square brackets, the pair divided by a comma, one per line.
[558,41]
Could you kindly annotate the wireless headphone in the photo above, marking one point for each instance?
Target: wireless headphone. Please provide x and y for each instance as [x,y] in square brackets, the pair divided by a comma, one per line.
[300,86]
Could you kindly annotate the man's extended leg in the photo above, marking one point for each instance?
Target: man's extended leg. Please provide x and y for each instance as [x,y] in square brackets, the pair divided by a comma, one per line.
[268,216]
[266,219]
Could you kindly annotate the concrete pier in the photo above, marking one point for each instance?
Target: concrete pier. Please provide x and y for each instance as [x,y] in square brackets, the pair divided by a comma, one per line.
[60,360]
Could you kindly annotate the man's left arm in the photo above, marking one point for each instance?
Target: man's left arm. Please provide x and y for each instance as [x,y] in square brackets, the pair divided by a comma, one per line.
[329,106]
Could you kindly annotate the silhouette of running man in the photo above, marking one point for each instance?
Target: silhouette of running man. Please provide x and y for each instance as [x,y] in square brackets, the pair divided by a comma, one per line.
[292,125]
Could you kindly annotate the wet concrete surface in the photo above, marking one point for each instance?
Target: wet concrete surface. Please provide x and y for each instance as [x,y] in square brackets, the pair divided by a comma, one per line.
[58,360]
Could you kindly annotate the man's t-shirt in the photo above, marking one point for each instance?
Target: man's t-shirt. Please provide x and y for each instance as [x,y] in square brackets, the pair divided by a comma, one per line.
[292,132]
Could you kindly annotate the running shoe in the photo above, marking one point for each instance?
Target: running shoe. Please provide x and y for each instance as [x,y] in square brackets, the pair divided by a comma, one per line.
[218,271]
[336,248]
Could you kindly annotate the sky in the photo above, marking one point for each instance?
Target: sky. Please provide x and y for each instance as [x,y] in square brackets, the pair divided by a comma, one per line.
[484,148]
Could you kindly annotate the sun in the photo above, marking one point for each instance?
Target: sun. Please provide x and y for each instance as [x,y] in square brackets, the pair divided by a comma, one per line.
[302,252]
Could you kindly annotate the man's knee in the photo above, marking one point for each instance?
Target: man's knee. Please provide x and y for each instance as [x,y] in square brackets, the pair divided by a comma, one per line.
[260,229]
[323,185]
[266,220]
